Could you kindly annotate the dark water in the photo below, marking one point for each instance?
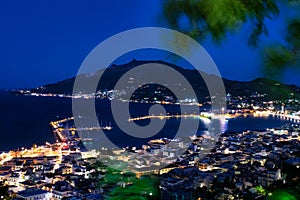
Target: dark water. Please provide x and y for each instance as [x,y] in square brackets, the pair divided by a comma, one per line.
[254,123]
[24,121]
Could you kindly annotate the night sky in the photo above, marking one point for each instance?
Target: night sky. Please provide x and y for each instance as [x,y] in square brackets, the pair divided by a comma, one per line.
[46,41]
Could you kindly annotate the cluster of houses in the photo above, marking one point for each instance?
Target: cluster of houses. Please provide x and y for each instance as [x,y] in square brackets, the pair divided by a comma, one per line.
[64,173]
[238,164]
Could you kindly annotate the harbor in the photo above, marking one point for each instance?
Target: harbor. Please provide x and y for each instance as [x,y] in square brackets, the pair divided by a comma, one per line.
[62,130]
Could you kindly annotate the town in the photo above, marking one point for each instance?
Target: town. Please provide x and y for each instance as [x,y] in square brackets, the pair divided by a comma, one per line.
[239,166]
[215,165]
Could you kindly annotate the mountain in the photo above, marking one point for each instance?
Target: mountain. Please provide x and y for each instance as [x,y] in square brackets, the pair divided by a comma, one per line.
[268,89]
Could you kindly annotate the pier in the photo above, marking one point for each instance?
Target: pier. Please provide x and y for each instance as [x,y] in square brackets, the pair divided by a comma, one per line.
[293,118]
[202,116]
[58,130]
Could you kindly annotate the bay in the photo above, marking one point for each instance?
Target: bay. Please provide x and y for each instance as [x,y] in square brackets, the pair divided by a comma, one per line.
[24,121]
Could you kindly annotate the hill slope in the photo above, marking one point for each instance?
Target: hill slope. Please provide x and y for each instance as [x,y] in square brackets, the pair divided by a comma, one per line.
[272,89]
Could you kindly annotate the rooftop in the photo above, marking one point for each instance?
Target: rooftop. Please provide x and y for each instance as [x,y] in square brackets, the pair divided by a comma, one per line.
[31,192]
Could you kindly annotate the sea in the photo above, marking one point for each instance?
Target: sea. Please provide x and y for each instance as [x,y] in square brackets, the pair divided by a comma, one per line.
[24,121]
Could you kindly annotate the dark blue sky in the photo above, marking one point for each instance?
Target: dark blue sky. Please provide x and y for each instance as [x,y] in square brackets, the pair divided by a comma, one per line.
[45,41]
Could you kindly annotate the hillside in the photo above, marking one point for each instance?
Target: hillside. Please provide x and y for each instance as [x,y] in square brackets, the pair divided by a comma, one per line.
[272,89]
